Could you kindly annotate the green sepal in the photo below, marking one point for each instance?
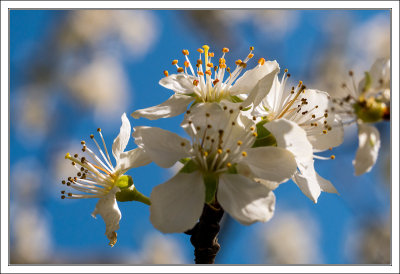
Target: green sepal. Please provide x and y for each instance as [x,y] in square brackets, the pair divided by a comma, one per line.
[189,167]
[368,82]
[124,181]
[236,99]
[264,136]
[131,194]
[211,183]
[184,160]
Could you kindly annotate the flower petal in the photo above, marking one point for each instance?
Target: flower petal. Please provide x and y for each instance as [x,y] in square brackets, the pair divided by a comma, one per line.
[163,147]
[122,139]
[177,204]
[333,138]
[244,199]
[108,209]
[175,105]
[368,148]
[271,163]
[132,159]
[307,185]
[292,137]
[179,83]
[246,83]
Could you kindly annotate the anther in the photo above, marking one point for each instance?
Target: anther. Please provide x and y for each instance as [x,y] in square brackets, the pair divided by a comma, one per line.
[70,194]
[228,165]
[324,131]
[233,123]
[239,143]
[219,151]
[210,65]
[63,182]
[183,144]
[209,126]
[200,73]
[62,196]
[225,107]
[332,157]
[261,61]
[254,134]
[186,64]
[82,142]
[79,174]
[231,111]
[215,81]
[254,118]
[195,82]
[251,48]
[228,69]
[228,150]
[251,55]
[351,73]
[244,153]
[84,148]
[83,159]
[288,75]
[174,62]
[67,155]
[211,54]
[91,136]
[208,72]
[313,116]
[98,129]
[75,155]
[73,163]
[197,128]
[82,169]
[252,128]
[62,191]
[188,112]
[286,70]
[180,69]
[68,183]
[205,153]
[241,108]
[225,50]
[243,65]
[200,50]
[326,115]
[185,52]
[238,62]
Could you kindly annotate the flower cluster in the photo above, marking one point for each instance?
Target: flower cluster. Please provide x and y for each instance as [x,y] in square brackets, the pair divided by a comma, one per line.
[248,132]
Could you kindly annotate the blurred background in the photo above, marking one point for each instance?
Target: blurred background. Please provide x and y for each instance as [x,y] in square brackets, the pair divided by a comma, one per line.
[74,71]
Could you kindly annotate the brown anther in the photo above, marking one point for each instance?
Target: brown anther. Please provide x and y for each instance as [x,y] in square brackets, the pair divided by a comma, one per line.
[183,144]
[91,136]
[252,128]
[195,82]
[180,69]
[62,191]
[244,153]
[329,128]
[212,140]
[82,169]
[76,155]
[251,48]
[166,73]
[83,159]
[207,114]
[233,123]
[68,183]
[351,73]
[215,82]
[209,126]
[304,112]
[73,163]
[98,129]
[239,143]
[208,72]
[84,148]
[324,131]
[198,128]
[326,115]
[79,174]
[228,69]
[174,62]
[63,182]
[62,196]
[243,65]
[199,61]
[210,65]
[288,75]
[82,142]
[220,132]
[254,118]
[225,107]
[185,52]
[231,111]
[70,194]
[254,134]
[200,73]
[241,108]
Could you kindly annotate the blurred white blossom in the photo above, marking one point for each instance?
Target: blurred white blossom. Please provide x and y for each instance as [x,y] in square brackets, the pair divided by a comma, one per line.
[292,238]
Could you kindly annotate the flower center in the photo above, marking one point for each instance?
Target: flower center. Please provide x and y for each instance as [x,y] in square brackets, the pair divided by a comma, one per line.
[208,79]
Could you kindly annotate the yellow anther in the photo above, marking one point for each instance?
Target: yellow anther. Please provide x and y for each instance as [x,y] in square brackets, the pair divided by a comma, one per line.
[200,50]
[180,69]
[211,54]
[239,143]
[261,61]
[205,153]
[82,142]
[252,128]
[186,64]
[228,165]
[225,50]
[255,134]
[195,82]
[286,70]
[222,65]
[208,72]
[332,157]
[222,60]
[238,62]
[166,73]
[185,52]
[67,156]
[174,62]
[300,83]
[200,73]
[251,48]
[219,151]
[244,153]
[251,55]
[324,131]
[330,148]
[210,65]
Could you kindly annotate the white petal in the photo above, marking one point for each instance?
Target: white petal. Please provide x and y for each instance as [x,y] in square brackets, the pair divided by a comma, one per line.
[261,90]
[245,200]
[271,163]
[132,159]
[308,186]
[246,83]
[179,83]
[122,139]
[175,105]
[163,147]
[108,209]
[292,137]
[333,138]
[326,185]
[177,204]
[368,148]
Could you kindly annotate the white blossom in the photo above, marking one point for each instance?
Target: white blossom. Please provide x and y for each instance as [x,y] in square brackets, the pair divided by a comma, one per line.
[220,152]
[98,178]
